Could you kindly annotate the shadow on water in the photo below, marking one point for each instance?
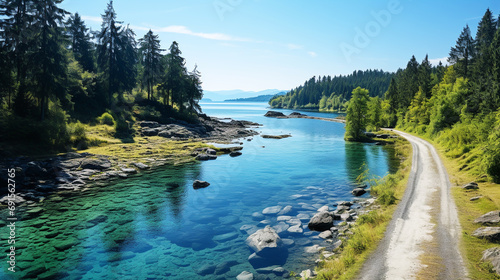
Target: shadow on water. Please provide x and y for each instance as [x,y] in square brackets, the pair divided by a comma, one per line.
[355,159]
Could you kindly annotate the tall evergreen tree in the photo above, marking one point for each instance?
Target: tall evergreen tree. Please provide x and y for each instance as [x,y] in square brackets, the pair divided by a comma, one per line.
[175,76]
[424,76]
[194,90]
[116,54]
[80,42]
[151,57]
[484,36]
[51,68]
[15,22]
[408,84]
[463,52]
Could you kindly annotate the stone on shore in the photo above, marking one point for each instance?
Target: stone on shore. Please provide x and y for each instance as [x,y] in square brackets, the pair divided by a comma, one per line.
[321,221]
[490,233]
[140,165]
[327,234]
[492,255]
[489,218]
[358,191]
[235,154]
[200,184]
[471,186]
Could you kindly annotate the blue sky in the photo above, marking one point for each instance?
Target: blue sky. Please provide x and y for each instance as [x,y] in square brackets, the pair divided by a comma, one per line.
[257,44]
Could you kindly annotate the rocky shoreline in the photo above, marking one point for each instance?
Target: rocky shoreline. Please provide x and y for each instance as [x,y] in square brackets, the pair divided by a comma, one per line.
[297,115]
[72,172]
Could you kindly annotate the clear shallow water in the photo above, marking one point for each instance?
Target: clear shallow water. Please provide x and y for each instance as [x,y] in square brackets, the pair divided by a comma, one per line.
[157,226]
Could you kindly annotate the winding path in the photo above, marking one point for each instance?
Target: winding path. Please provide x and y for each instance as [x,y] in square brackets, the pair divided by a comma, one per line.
[424,226]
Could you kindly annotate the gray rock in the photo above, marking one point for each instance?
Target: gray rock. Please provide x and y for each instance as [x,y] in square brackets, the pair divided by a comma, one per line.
[280,227]
[346,217]
[273,210]
[303,216]
[235,154]
[95,163]
[200,184]
[129,170]
[489,218]
[274,114]
[266,243]
[492,255]
[324,208]
[345,203]
[327,234]
[224,267]
[249,229]
[490,233]
[257,216]
[288,242]
[358,191]
[283,218]
[205,157]
[225,237]
[150,124]
[321,221]
[471,186]
[475,198]
[211,152]
[140,165]
[245,275]
[205,270]
[295,229]
[287,209]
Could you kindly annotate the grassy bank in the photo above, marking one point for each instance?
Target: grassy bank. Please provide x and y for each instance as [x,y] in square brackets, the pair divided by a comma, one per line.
[369,228]
[468,211]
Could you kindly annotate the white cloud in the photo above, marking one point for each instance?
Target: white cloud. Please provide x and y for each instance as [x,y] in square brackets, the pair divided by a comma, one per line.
[312,54]
[435,61]
[180,29]
[294,47]
[92,18]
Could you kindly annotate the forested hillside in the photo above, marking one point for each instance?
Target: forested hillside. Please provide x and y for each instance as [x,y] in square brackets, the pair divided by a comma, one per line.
[458,105]
[55,73]
[331,93]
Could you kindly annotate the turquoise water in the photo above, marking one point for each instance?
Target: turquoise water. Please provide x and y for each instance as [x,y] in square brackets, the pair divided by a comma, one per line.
[156,226]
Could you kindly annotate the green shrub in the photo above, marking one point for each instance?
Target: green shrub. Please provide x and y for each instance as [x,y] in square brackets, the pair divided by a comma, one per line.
[106,118]
[77,135]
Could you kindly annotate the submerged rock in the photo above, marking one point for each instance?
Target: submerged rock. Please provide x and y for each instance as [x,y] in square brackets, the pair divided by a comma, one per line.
[200,184]
[245,275]
[273,210]
[268,248]
[235,154]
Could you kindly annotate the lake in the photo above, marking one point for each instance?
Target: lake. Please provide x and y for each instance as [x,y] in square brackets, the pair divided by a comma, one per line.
[156,226]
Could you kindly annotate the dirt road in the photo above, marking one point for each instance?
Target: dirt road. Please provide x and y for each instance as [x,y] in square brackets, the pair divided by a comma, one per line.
[425,227]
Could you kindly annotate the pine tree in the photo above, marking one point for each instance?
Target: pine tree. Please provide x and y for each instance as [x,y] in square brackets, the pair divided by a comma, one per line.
[484,36]
[175,76]
[424,76]
[356,118]
[408,84]
[116,55]
[463,52]
[151,60]
[51,68]
[194,90]
[80,42]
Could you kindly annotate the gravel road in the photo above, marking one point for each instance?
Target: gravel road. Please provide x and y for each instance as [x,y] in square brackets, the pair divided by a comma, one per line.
[426,215]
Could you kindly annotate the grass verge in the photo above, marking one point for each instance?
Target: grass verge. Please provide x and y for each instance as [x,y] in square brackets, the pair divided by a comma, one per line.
[369,228]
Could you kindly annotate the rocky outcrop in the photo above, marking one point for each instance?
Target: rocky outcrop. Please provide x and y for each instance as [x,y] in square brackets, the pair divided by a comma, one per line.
[321,221]
[276,136]
[489,218]
[490,233]
[274,114]
[235,154]
[492,255]
[206,128]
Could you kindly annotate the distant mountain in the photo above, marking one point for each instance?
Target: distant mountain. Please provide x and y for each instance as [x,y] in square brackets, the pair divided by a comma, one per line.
[206,100]
[260,98]
[235,94]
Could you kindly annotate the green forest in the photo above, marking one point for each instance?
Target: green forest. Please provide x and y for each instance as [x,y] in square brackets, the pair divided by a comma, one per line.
[331,94]
[55,75]
[457,106]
